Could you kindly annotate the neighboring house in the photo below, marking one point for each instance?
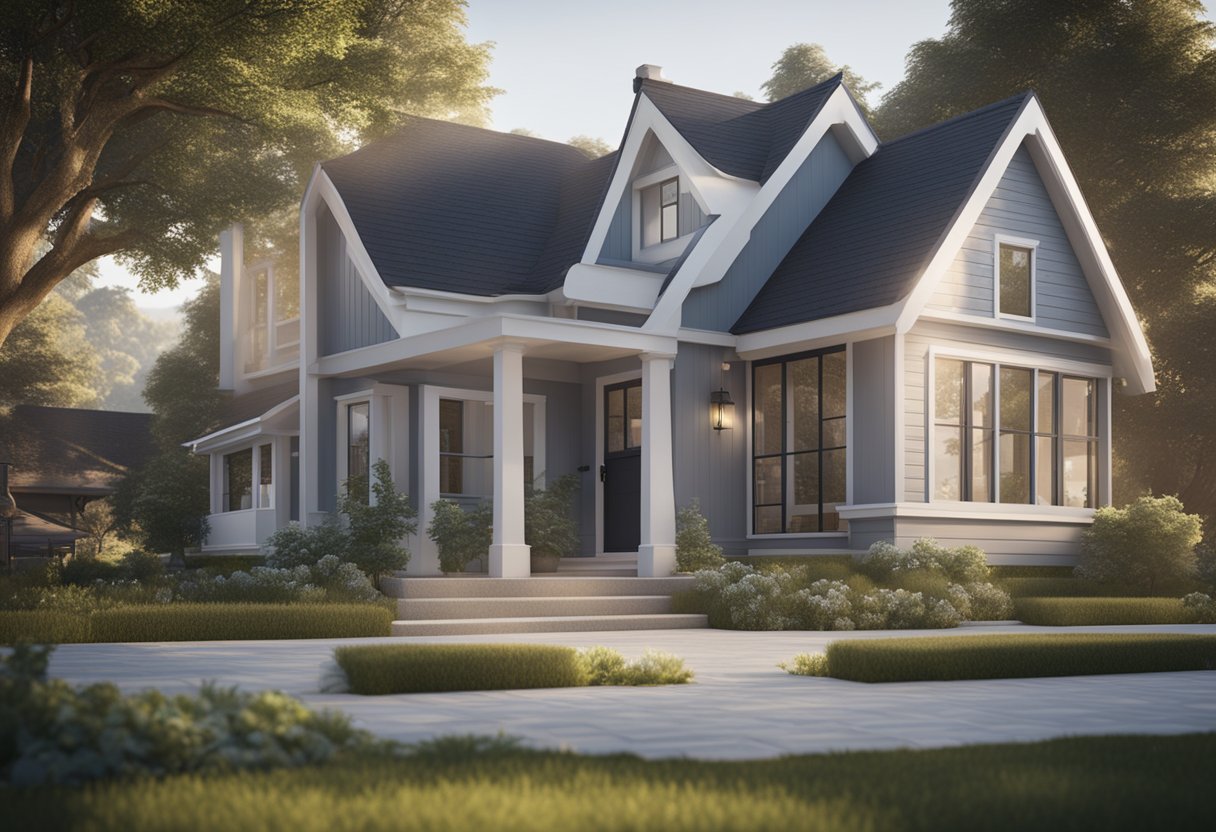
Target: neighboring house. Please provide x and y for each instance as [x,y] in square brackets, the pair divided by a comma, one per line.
[63,459]
[919,337]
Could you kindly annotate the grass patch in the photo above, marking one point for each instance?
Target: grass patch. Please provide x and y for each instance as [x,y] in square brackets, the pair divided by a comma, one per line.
[1016,656]
[17,626]
[1109,783]
[1074,612]
[375,670]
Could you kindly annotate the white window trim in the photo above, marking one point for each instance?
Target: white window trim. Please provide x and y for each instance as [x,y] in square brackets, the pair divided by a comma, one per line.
[668,249]
[749,507]
[1100,373]
[387,429]
[998,240]
[218,472]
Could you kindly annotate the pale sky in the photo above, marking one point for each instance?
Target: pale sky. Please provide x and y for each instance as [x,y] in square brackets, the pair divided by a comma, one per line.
[567,66]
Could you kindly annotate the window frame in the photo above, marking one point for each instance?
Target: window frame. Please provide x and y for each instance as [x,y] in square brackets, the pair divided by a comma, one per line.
[1032,246]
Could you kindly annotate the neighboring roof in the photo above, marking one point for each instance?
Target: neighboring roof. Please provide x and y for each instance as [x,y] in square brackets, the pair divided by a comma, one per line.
[872,240]
[253,404]
[743,138]
[454,208]
[66,449]
[31,529]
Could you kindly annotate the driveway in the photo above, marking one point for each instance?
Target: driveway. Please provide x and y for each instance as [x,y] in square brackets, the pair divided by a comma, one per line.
[740,705]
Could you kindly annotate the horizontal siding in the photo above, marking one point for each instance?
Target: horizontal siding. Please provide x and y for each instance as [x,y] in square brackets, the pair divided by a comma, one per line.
[349,316]
[1021,207]
[1004,542]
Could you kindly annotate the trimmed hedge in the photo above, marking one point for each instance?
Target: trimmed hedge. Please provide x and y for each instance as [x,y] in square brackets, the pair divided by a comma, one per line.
[42,626]
[1075,612]
[375,670]
[1017,656]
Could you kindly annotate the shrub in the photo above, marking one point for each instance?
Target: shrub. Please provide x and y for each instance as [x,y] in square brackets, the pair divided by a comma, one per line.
[1076,612]
[695,549]
[261,584]
[605,666]
[53,733]
[460,535]
[43,626]
[1149,542]
[550,527]
[806,664]
[988,603]
[1205,562]
[375,670]
[293,545]
[220,622]
[86,571]
[1017,656]
[885,560]
[145,567]
[1201,607]
[375,528]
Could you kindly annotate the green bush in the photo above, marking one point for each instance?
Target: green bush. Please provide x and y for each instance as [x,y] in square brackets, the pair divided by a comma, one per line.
[1201,607]
[1017,656]
[1150,542]
[695,548]
[964,564]
[374,670]
[605,666]
[85,572]
[550,526]
[376,528]
[460,535]
[1205,561]
[806,664]
[226,564]
[43,626]
[293,545]
[1076,612]
[222,622]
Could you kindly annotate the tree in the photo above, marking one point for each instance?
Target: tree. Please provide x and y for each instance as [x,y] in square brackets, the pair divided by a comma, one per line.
[1129,86]
[47,360]
[804,65]
[172,503]
[126,343]
[139,129]
[376,527]
[592,146]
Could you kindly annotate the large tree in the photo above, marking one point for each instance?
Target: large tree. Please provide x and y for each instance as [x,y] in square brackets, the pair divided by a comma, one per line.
[1130,88]
[804,65]
[141,128]
[48,361]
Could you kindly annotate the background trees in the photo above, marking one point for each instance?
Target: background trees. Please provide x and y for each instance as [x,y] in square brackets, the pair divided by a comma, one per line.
[807,64]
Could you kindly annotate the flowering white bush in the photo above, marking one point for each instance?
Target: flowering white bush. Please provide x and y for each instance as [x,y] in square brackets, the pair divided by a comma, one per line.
[988,603]
[965,564]
[824,605]
[756,602]
[1202,606]
[330,578]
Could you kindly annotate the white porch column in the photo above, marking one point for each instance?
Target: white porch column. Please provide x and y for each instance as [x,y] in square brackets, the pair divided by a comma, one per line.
[509,555]
[657,552]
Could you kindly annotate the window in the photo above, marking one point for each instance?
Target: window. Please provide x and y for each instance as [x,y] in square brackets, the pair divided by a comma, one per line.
[466,447]
[265,475]
[624,432]
[358,449]
[238,480]
[798,442]
[1015,279]
[1046,428]
[660,212]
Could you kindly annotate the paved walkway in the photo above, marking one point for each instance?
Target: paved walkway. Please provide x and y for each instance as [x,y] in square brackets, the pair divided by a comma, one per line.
[740,706]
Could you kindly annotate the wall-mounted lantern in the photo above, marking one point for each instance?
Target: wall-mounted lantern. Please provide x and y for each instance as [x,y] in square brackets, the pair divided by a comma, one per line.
[721,410]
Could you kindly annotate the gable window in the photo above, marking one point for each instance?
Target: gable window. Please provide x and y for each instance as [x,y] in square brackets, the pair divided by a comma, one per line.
[1042,439]
[660,205]
[798,442]
[1015,279]
[358,449]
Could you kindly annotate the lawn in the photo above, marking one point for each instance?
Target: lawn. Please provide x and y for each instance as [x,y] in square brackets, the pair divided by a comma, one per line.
[1079,612]
[1092,783]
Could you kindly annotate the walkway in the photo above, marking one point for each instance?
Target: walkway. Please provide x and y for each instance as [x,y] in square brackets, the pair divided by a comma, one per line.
[740,706]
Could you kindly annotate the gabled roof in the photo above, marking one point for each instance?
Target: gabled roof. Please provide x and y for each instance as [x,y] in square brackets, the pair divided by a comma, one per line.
[873,239]
[61,449]
[748,139]
[454,208]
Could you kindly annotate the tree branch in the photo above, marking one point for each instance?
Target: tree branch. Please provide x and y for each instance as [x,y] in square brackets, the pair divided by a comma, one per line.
[15,123]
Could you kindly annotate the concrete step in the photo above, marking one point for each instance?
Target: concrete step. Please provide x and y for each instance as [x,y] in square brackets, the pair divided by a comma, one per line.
[434,609]
[550,586]
[548,624]
[600,572]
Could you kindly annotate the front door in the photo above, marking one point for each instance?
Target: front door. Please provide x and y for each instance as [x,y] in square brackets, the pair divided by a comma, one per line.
[622,470]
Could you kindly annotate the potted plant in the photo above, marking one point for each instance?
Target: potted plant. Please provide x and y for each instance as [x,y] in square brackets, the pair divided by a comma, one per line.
[461,536]
[549,524]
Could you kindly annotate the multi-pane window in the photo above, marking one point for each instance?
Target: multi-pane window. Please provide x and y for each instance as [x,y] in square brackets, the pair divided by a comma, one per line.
[1046,430]
[798,442]
[265,475]
[238,480]
[358,449]
[661,212]
[1015,276]
[466,447]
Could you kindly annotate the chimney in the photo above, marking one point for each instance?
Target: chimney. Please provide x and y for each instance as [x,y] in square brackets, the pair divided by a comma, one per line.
[648,72]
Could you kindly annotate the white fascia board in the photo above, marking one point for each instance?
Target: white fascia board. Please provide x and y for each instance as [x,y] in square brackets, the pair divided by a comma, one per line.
[1002,512]
[469,306]
[853,326]
[1132,356]
[257,426]
[631,290]
[1008,325]
[724,240]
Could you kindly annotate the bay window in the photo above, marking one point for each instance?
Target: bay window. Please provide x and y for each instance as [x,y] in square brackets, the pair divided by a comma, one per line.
[238,480]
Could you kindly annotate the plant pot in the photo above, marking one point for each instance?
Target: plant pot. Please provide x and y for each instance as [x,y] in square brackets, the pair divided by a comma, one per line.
[545,563]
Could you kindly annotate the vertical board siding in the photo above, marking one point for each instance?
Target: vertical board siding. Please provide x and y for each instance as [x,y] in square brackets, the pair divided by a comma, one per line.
[618,244]
[718,306]
[916,364]
[873,451]
[1021,207]
[349,316]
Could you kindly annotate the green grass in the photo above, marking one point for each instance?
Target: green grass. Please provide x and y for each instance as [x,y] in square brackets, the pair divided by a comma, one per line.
[198,622]
[946,658]
[1108,783]
[1074,612]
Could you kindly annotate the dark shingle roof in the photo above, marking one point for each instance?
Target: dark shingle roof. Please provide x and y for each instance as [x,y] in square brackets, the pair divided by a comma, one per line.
[744,138]
[874,237]
[461,209]
[67,449]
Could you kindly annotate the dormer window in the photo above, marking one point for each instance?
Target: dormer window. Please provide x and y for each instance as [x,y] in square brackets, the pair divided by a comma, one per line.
[1015,278]
[660,212]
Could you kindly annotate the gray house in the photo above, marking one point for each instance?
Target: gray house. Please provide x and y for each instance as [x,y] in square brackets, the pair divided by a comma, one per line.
[826,339]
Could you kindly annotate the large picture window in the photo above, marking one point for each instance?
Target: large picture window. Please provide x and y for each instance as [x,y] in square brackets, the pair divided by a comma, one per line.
[1045,431]
[798,442]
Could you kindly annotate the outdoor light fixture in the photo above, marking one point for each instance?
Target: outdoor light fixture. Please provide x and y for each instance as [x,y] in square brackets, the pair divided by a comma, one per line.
[721,410]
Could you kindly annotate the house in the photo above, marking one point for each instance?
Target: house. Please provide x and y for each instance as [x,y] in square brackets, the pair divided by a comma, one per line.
[826,339]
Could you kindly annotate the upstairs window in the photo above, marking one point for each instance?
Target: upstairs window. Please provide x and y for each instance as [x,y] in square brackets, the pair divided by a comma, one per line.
[661,212]
[1015,280]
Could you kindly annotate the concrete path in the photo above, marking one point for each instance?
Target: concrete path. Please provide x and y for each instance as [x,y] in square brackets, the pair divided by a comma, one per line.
[740,706]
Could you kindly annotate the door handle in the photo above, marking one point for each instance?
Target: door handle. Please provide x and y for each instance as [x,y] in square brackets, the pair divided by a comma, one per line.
[603,473]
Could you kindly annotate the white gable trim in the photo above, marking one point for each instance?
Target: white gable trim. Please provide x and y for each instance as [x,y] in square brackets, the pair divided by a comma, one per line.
[854,326]
[1133,360]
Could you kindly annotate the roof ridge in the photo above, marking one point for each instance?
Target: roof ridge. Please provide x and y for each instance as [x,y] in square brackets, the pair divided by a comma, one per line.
[650,83]
[835,80]
[26,405]
[1020,97]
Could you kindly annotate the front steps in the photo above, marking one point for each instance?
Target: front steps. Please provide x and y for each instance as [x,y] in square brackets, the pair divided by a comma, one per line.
[562,602]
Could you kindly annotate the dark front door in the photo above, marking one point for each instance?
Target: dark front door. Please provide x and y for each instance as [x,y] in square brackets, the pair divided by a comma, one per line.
[622,471]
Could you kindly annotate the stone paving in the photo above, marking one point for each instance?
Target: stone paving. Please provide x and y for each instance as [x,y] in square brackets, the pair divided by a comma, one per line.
[740,705]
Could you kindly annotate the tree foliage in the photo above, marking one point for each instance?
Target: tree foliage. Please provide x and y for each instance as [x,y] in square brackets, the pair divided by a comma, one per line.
[140,129]
[47,360]
[804,65]
[1129,86]
[1148,543]
[594,147]
[376,528]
